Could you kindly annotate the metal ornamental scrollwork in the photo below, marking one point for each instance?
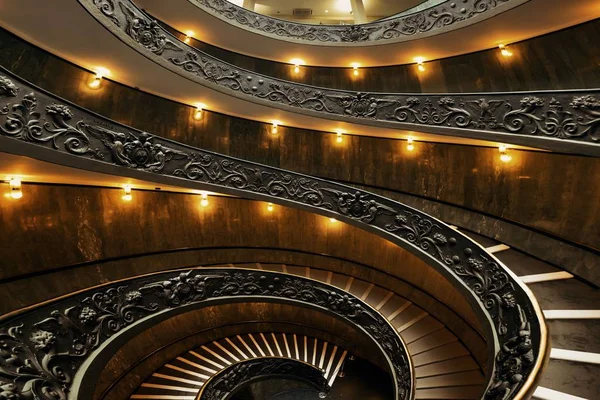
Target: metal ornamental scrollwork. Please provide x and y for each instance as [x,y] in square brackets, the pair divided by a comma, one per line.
[42,351]
[402,27]
[236,376]
[539,119]
[39,119]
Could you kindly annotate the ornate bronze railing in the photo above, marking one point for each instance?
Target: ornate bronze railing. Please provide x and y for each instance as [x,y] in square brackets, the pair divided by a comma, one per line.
[439,18]
[39,125]
[55,351]
[237,376]
[567,121]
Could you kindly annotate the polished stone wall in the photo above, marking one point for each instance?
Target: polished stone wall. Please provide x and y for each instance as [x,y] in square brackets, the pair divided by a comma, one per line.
[551,194]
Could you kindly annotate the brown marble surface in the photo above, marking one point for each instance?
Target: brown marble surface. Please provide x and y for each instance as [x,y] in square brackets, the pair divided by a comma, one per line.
[566,59]
[550,192]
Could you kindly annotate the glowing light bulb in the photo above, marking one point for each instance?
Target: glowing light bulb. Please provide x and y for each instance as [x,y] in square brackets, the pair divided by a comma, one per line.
[127,196]
[297,62]
[332,220]
[204,200]
[410,146]
[270,207]
[275,128]
[15,188]
[505,51]
[420,63]
[355,68]
[97,81]
[188,36]
[339,138]
[505,157]
[198,114]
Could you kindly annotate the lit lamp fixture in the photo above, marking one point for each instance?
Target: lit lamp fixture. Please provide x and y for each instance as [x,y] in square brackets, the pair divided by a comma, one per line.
[504,156]
[204,200]
[355,68]
[297,63]
[270,207]
[332,220]
[275,128]
[100,73]
[339,138]
[15,188]
[410,145]
[127,193]
[505,51]
[420,63]
[188,36]
[198,113]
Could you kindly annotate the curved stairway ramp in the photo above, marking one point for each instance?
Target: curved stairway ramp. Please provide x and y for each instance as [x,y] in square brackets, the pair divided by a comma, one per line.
[572,311]
[444,367]
[182,378]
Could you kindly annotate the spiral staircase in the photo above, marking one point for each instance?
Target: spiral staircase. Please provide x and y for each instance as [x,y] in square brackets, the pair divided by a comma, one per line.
[432,241]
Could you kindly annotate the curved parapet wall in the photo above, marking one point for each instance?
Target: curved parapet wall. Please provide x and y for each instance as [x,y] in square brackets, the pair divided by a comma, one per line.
[39,125]
[233,378]
[439,18]
[567,121]
[57,349]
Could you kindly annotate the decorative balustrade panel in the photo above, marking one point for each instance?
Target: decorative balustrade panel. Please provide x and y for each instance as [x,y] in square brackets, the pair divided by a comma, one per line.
[238,375]
[516,331]
[440,17]
[543,119]
[42,351]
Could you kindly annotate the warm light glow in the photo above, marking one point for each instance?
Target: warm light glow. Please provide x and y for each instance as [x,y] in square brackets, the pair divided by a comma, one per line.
[355,68]
[297,62]
[127,193]
[339,138]
[198,114]
[270,207]
[410,146]
[100,73]
[343,5]
[505,51]
[275,128]
[15,188]
[420,63]
[504,156]
[188,36]
[204,200]
[332,220]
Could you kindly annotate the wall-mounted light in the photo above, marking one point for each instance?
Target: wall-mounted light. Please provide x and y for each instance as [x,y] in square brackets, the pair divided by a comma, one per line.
[505,51]
[409,144]
[504,156]
[297,62]
[101,72]
[204,199]
[355,68]
[127,196]
[275,128]
[332,220]
[198,114]
[339,136]
[188,36]
[420,63]
[15,188]
[270,207]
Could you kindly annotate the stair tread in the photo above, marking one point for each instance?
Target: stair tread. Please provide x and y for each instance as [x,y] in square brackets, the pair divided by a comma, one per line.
[460,364]
[579,335]
[445,352]
[460,392]
[574,378]
[431,341]
[467,378]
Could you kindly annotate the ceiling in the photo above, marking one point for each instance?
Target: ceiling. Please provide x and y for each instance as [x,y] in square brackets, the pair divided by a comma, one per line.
[332,9]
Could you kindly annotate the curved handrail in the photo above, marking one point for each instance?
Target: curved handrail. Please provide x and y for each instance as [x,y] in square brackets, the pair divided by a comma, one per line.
[52,349]
[448,15]
[38,125]
[229,380]
[554,120]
